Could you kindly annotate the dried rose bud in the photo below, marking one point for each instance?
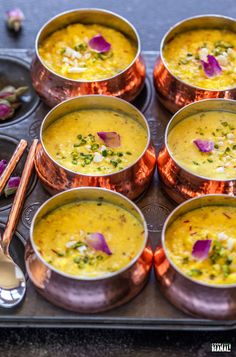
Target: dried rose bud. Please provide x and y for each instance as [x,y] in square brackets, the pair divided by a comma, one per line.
[14,19]
[12,185]
[6,110]
[11,93]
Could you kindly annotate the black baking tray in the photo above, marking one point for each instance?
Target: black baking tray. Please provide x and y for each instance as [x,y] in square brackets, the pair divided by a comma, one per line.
[150,309]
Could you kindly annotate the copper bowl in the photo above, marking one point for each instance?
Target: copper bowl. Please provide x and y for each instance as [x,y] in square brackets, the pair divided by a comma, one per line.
[54,88]
[179,183]
[172,91]
[88,295]
[131,181]
[191,296]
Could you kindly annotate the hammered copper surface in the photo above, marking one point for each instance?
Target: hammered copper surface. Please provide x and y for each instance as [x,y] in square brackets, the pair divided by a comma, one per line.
[173,92]
[53,88]
[179,183]
[190,296]
[149,309]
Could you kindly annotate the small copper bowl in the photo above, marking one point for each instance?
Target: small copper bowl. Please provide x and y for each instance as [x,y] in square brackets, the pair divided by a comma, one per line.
[54,88]
[172,91]
[88,295]
[191,296]
[131,181]
[179,183]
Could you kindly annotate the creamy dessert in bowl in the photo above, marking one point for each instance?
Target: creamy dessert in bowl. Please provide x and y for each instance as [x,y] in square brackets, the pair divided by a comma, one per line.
[88,250]
[205,144]
[95,141]
[205,58]
[195,263]
[199,155]
[94,239]
[197,61]
[202,244]
[87,51]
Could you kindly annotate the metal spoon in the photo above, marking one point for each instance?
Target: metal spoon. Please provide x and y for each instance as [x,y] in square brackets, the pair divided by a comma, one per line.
[12,279]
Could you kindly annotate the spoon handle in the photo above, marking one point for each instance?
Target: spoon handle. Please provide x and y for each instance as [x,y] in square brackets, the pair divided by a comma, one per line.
[19,199]
[12,163]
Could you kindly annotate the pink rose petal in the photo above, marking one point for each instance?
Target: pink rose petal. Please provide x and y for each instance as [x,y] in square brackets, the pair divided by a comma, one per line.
[99,44]
[97,241]
[204,145]
[212,67]
[201,249]
[110,138]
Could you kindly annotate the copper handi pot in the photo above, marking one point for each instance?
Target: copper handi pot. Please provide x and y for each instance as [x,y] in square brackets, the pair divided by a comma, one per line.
[88,295]
[179,183]
[131,181]
[172,91]
[53,88]
[191,296]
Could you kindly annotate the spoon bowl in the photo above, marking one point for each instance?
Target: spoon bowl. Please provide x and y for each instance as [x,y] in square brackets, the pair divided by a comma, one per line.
[12,282]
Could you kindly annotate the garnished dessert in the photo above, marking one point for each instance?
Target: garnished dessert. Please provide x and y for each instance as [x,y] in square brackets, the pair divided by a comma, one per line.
[205,144]
[202,244]
[205,58]
[93,238]
[95,141]
[87,52]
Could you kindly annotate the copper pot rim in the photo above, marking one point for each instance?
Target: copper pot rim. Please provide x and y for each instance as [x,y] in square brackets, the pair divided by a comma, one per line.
[167,130]
[138,52]
[97,96]
[98,278]
[162,45]
[198,282]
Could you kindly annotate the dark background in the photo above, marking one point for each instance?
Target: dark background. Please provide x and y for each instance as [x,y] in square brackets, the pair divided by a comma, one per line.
[152,18]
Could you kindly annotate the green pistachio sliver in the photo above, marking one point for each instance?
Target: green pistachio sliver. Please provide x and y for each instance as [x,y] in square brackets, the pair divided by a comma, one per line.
[226,270]
[195,163]
[104,153]
[195,272]
[224,123]
[185,260]
[228,261]
[94,146]
[114,163]
[59,254]
[110,152]
[81,47]
[91,138]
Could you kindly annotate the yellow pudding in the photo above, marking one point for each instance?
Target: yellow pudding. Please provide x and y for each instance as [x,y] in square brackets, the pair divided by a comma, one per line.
[215,127]
[65,238]
[73,141]
[216,225]
[68,53]
[183,55]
